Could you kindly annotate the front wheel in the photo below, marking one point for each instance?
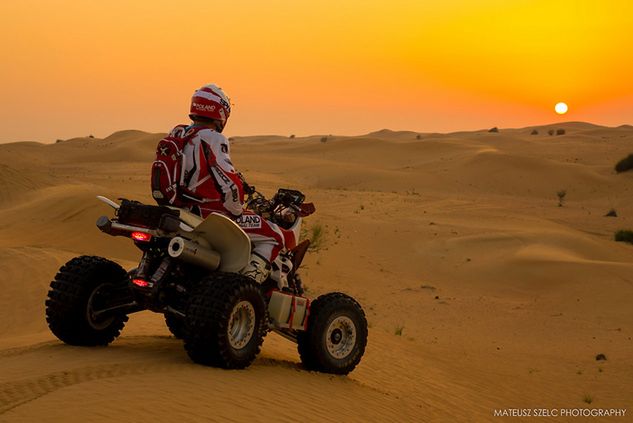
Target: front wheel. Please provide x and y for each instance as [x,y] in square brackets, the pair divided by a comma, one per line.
[225,321]
[82,288]
[336,337]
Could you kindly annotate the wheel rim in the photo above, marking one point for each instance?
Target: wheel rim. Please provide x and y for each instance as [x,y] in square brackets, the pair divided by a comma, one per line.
[96,301]
[341,337]
[241,324]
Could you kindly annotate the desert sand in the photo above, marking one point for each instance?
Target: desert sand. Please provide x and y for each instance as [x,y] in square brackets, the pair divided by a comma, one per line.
[480,291]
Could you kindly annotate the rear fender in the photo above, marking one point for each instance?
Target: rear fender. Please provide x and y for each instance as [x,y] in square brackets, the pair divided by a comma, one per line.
[224,236]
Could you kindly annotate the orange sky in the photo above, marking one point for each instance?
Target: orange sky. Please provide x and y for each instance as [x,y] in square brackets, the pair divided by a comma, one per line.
[72,68]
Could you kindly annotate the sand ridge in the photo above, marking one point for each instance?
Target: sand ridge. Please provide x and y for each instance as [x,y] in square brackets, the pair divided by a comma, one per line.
[481,292]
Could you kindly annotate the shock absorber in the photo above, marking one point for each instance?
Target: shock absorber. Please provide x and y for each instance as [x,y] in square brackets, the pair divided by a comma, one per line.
[144,266]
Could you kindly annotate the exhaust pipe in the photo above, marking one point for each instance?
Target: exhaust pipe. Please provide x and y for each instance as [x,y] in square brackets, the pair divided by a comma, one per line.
[190,252]
[109,227]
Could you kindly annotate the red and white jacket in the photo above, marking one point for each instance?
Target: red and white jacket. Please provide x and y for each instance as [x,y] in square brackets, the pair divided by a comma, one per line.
[209,173]
[211,184]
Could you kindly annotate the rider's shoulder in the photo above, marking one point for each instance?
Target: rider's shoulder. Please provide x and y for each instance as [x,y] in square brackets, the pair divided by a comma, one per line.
[211,136]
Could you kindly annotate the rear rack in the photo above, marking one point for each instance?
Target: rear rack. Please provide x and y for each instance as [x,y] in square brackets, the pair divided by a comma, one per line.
[134,213]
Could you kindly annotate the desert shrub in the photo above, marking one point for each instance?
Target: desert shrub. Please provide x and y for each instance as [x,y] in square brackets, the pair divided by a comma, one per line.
[316,235]
[550,132]
[292,136]
[495,129]
[534,132]
[560,132]
[399,330]
[625,164]
[418,137]
[323,139]
[91,136]
[561,197]
[611,213]
[58,141]
[624,235]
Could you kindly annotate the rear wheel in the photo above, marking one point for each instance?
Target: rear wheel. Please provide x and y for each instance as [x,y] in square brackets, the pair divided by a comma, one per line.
[83,288]
[176,325]
[336,337]
[225,321]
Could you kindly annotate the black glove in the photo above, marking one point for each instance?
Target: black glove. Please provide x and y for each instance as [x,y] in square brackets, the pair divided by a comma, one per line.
[248,189]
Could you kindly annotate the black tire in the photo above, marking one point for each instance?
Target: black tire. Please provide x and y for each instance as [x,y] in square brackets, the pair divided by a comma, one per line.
[336,337]
[79,285]
[176,325]
[209,337]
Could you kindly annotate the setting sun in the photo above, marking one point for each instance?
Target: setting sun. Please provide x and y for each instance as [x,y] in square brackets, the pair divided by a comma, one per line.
[311,67]
[561,108]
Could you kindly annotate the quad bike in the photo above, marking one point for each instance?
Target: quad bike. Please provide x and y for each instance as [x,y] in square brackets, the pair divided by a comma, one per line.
[189,271]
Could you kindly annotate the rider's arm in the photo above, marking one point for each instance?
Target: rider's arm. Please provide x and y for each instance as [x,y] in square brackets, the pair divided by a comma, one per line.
[222,170]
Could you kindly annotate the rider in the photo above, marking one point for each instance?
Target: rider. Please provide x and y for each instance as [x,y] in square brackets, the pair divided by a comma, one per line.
[211,174]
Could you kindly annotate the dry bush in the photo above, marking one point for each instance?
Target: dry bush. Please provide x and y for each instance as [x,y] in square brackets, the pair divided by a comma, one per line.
[561,197]
[316,235]
[624,164]
[624,235]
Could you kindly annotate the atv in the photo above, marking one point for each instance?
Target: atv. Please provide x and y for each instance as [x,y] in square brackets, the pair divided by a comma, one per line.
[189,272]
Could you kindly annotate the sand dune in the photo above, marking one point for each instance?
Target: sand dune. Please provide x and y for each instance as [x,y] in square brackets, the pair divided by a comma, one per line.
[481,292]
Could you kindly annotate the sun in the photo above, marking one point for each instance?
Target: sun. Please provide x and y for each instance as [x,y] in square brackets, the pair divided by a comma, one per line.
[561,108]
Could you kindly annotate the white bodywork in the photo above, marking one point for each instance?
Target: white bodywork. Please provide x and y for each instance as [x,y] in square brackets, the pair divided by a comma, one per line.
[283,264]
[227,238]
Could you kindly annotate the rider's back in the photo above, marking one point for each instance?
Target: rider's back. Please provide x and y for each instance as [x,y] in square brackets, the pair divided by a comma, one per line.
[193,170]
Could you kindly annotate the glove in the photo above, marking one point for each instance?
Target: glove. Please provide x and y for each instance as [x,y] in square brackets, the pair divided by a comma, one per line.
[248,189]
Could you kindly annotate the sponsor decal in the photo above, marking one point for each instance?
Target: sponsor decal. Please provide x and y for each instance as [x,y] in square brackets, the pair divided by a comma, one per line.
[225,103]
[224,148]
[164,150]
[204,107]
[249,221]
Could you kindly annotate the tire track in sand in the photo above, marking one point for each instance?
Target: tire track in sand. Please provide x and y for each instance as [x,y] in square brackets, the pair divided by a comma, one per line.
[16,393]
